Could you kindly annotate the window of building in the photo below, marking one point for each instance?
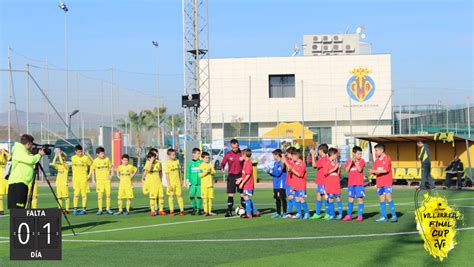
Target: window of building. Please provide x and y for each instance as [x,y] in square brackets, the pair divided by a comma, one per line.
[281,86]
[323,135]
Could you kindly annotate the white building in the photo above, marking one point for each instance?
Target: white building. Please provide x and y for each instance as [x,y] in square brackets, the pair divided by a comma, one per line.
[313,89]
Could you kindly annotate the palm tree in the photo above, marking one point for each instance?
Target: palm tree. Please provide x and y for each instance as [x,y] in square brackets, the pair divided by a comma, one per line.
[138,122]
[152,116]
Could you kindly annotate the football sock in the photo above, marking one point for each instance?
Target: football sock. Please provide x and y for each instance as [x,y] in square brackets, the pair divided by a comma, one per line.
[360,211]
[290,205]
[66,200]
[350,206]
[248,207]
[160,204]
[331,209]
[129,203]
[319,205]
[1,203]
[305,207]
[199,203]
[230,203]
[76,202]
[284,204]
[205,200]
[171,203]
[180,203]
[243,202]
[209,205]
[107,202]
[339,207]
[193,202]
[99,201]
[326,205]
[254,209]
[391,205]
[84,202]
[34,203]
[298,207]
[120,205]
[383,209]
[278,205]
[152,204]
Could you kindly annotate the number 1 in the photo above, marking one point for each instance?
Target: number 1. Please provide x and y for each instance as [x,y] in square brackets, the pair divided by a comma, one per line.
[48,226]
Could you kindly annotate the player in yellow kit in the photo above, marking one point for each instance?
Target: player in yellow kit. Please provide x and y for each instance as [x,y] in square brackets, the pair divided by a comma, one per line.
[174,182]
[34,197]
[4,158]
[125,173]
[80,165]
[206,171]
[62,190]
[102,169]
[152,180]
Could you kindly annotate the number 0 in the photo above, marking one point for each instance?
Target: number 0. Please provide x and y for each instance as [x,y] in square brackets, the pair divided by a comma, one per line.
[48,226]
[27,233]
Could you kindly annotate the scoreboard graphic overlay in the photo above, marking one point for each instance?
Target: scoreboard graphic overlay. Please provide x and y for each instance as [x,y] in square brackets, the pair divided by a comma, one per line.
[35,234]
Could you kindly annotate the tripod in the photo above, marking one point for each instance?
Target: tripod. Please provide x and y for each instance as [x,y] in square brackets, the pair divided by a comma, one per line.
[39,168]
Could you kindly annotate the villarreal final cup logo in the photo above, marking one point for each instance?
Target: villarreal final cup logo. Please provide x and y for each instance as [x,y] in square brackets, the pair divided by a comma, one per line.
[360,86]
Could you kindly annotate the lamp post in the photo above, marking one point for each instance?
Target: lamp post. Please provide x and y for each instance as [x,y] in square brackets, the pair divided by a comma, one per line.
[63,6]
[156,45]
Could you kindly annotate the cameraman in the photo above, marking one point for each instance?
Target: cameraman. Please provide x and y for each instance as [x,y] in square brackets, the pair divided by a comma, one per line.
[22,171]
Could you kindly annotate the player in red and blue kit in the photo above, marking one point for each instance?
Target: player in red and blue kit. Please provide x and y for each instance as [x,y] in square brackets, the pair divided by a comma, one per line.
[246,183]
[383,172]
[298,170]
[355,186]
[290,193]
[333,185]
[320,176]
[278,173]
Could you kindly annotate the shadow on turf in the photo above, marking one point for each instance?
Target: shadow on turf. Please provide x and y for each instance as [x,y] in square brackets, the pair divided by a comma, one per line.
[88,226]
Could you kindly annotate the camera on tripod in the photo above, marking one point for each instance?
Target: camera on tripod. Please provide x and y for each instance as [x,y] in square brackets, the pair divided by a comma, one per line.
[35,148]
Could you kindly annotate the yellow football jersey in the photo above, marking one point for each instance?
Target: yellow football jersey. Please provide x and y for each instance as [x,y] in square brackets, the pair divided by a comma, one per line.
[3,162]
[205,175]
[125,173]
[63,169]
[102,168]
[173,169]
[155,171]
[80,166]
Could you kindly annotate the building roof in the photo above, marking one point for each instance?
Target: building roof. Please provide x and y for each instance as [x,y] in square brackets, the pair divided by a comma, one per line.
[408,138]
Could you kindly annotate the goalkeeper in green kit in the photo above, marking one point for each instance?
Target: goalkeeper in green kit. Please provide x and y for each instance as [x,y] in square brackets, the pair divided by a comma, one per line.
[192,175]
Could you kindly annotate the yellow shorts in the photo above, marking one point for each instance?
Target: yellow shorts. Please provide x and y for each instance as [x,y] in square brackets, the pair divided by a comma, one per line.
[207,192]
[103,185]
[3,186]
[62,191]
[155,189]
[125,192]
[80,186]
[176,190]
[35,190]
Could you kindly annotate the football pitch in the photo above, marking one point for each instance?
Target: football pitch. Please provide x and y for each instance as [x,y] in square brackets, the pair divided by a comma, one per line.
[141,240]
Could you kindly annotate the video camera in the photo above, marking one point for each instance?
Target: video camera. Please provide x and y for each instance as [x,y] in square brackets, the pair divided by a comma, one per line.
[35,148]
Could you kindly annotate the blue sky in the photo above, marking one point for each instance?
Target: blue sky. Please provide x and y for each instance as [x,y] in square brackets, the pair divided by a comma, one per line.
[430,41]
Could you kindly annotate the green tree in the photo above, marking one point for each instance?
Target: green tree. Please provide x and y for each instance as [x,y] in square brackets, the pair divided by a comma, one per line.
[138,122]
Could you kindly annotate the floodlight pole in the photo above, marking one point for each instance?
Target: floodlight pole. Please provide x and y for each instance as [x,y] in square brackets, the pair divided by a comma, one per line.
[156,45]
[468,117]
[65,9]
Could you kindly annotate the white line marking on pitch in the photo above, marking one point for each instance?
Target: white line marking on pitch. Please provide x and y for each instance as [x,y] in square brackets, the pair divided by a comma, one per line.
[252,239]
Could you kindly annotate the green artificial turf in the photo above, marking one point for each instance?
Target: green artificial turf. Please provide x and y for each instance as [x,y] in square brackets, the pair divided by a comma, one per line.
[338,248]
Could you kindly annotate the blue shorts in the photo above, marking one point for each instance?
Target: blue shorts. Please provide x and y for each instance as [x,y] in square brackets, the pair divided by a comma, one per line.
[384,190]
[248,193]
[356,191]
[321,190]
[289,191]
[334,195]
[300,193]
